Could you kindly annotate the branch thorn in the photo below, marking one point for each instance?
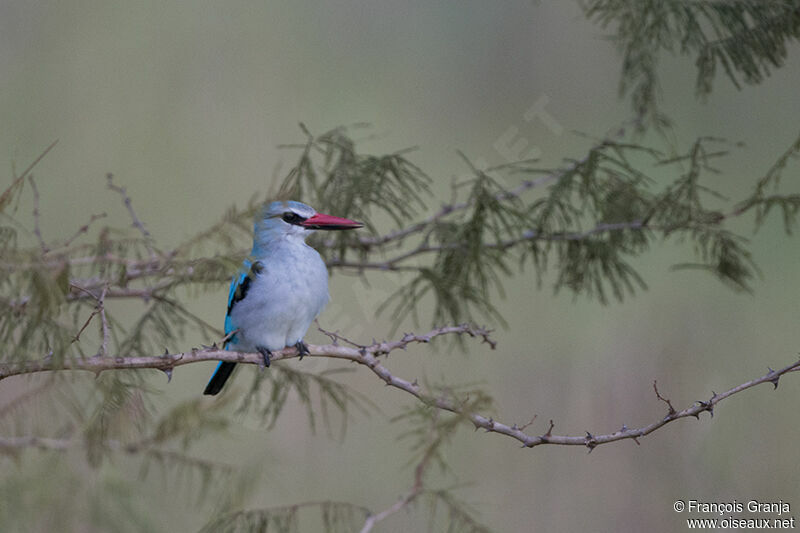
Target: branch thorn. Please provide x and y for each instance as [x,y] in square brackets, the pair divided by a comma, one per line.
[707,406]
[591,443]
[549,431]
[774,379]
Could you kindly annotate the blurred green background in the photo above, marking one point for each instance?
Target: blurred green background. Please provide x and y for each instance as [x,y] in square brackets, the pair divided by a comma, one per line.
[186,103]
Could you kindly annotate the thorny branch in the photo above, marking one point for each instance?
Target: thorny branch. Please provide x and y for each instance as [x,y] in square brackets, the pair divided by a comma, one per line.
[151,278]
[368,356]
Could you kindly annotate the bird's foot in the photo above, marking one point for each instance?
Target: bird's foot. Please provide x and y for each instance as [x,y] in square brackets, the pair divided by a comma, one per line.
[266,354]
[302,349]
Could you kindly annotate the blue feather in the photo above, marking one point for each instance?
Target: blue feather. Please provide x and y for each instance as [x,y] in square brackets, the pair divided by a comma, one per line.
[237,280]
[224,369]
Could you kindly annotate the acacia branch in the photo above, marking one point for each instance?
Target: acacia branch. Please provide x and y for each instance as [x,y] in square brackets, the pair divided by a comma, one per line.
[29,441]
[169,361]
[171,270]
[526,236]
[139,269]
[448,209]
[529,235]
[17,444]
[367,355]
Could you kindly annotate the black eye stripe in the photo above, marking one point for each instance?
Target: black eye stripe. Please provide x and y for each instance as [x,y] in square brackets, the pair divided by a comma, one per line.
[293,218]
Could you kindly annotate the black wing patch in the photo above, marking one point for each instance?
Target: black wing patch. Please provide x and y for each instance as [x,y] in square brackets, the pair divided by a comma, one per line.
[244,286]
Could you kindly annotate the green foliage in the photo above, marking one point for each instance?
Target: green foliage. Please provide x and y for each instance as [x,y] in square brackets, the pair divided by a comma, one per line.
[97,500]
[331,517]
[333,176]
[606,193]
[747,39]
[267,403]
[451,515]
[723,255]
[429,429]
[189,421]
[468,265]
[120,411]
[103,428]
[445,513]
[589,222]
[581,226]
[584,223]
[762,203]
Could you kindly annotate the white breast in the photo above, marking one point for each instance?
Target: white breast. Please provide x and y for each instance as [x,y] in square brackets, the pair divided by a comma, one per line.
[283,299]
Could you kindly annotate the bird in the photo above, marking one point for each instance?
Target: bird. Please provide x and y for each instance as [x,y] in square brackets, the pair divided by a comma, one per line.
[281,287]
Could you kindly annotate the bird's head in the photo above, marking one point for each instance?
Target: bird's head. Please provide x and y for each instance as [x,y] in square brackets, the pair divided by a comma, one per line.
[295,220]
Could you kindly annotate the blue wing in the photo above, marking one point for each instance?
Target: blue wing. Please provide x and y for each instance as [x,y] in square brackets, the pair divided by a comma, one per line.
[236,294]
[238,290]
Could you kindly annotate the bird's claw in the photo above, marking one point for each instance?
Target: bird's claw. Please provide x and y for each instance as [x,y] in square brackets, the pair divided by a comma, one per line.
[302,349]
[265,353]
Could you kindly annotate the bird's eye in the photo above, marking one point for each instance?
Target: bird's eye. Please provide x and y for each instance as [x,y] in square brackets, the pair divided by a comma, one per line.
[292,218]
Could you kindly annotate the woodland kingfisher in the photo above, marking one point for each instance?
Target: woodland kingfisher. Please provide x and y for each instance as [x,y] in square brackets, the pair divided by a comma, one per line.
[281,287]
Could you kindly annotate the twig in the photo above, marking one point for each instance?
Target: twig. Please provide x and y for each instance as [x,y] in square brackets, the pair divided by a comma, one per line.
[335,337]
[99,309]
[36,392]
[37,217]
[523,427]
[278,509]
[82,230]
[77,336]
[17,180]
[144,293]
[14,444]
[104,330]
[367,356]
[529,235]
[36,228]
[169,361]
[665,400]
[36,161]
[416,489]
[137,223]
[43,443]
[445,210]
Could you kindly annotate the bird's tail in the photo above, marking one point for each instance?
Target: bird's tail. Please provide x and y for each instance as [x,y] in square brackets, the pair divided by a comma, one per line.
[221,375]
